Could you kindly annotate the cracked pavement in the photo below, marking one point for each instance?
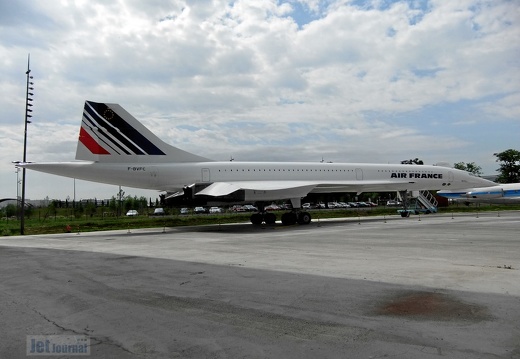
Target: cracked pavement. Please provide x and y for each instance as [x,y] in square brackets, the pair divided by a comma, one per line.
[396,288]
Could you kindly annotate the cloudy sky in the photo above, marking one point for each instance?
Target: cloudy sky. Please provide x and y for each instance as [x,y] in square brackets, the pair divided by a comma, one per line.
[297,80]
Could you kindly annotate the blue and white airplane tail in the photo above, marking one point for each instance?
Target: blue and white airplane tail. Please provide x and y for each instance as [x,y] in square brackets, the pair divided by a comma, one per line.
[109,134]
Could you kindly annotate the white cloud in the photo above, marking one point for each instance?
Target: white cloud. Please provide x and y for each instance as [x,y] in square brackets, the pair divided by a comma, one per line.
[353,81]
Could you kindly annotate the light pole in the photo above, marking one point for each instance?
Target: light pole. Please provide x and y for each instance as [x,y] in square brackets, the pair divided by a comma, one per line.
[28,104]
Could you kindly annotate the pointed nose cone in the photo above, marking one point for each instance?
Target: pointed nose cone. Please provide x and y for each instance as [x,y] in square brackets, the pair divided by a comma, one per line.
[481,182]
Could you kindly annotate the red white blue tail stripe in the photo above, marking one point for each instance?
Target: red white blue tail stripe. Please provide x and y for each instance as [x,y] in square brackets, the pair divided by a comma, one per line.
[104,132]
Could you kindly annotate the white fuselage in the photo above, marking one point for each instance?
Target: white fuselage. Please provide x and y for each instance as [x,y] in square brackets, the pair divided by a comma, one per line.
[332,177]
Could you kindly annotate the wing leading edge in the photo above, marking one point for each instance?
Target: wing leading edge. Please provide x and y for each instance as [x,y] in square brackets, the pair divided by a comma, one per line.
[218,189]
[297,188]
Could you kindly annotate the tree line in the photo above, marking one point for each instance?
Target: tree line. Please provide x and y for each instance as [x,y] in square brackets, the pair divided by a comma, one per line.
[114,206]
[508,171]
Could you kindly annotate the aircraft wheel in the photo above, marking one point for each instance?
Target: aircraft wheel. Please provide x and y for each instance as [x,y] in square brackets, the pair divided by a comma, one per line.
[256,218]
[405,214]
[289,218]
[304,218]
[270,218]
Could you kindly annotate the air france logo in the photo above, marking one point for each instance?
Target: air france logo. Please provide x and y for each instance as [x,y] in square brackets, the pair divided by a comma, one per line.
[108,114]
[415,175]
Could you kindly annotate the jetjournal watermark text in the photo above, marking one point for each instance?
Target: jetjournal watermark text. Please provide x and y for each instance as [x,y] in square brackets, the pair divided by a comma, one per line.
[58,344]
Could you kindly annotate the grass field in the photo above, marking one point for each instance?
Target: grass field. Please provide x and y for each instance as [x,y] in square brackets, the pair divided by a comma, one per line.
[42,223]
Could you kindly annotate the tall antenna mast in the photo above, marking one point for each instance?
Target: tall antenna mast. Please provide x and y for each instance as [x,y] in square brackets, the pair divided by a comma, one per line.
[28,111]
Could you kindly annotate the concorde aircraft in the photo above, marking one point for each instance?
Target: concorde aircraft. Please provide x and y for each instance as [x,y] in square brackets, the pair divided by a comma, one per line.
[498,194]
[115,148]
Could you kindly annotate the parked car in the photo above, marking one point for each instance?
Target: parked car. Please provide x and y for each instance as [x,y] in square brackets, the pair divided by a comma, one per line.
[215,210]
[159,212]
[393,203]
[250,208]
[287,206]
[132,213]
[199,210]
[184,211]
[237,208]
[272,207]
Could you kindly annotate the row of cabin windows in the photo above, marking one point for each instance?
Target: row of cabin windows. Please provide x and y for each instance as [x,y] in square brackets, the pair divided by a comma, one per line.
[283,170]
[414,171]
[310,170]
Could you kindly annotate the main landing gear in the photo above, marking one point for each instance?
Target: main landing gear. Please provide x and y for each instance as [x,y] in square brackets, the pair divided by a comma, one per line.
[288,219]
[293,217]
[268,218]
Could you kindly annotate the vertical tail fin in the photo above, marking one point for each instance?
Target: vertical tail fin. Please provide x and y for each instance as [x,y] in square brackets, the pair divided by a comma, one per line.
[108,133]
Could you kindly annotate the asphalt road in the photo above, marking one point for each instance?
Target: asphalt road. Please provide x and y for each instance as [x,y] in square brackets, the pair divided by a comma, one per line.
[421,287]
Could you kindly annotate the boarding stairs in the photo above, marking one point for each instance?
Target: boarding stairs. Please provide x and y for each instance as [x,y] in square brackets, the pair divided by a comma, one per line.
[418,202]
[426,200]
